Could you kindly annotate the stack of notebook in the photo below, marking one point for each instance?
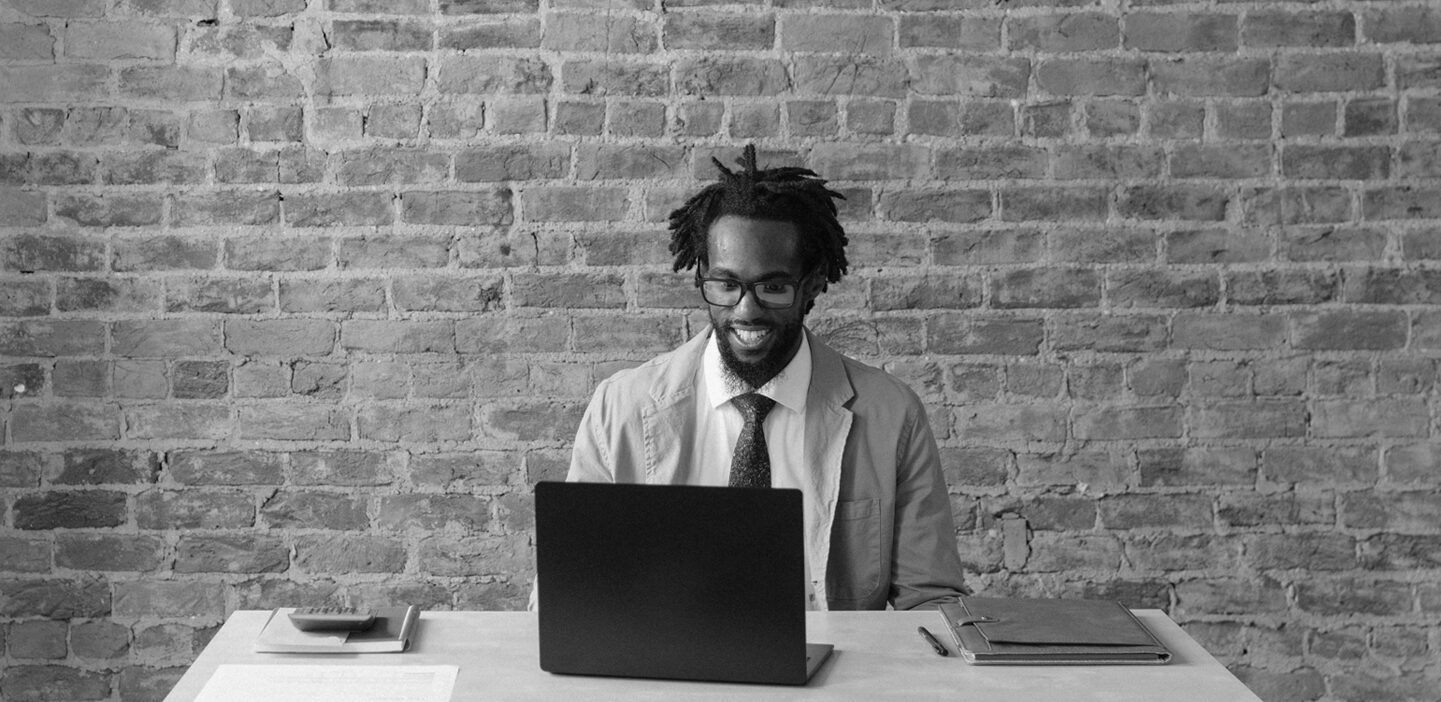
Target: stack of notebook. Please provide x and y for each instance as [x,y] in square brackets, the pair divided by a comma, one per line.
[1010,631]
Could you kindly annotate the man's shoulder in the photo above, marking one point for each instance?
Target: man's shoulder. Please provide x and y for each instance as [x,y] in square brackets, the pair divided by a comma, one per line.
[658,377]
[873,384]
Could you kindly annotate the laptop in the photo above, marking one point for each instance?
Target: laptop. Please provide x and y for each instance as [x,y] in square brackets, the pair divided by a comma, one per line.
[672,581]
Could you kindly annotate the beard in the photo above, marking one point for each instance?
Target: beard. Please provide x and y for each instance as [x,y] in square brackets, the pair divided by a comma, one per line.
[751,375]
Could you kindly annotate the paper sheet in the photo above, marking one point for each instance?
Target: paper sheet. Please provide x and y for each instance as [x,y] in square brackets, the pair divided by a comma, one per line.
[321,683]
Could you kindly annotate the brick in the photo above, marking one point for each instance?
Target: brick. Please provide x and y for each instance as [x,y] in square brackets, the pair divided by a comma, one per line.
[38,252]
[293,422]
[1231,596]
[943,206]
[225,468]
[380,35]
[1206,76]
[1079,31]
[508,163]
[1107,161]
[1417,25]
[574,204]
[327,553]
[491,75]
[35,683]
[1118,422]
[630,161]
[1370,117]
[954,334]
[23,208]
[714,31]
[26,42]
[517,115]
[171,84]
[1093,469]
[970,76]
[193,509]
[496,335]
[320,209]
[458,208]
[150,167]
[23,555]
[1353,596]
[112,40]
[65,422]
[751,121]
[266,8]
[81,378]
[344,467]
[1000,423]
[475,555]
[1179,202]
[871,116]
[113,552]
[1249,420]
[1092,77]
[289,509]
[391,166]
[925,292]
[1058,552]
[1348,163]
[52,338]
[949,32]
[849,34]
[37,639]
[636,118]
[378,336]
[1350,330]
[107,466]
[1142,510]
[1339,72]
[1232,161]
[1112,245]
[55,599]
[1162,288]
[1393,286]
[98,211]
[449,294]
[431,423]
[1386,417]
[1304,205]
[726,75]
[530,420]
[1245,120]
[1053,204]
[224,295]
[21,380]
[385,251]
[169,598]
[69,509]
[634,335]
[615,76]
[271,81]
[607,33]
[1404,202]
[1046,288]
[1299,29]
[365,75]
[433,512]
[46,83]
[512,33]
[1191,467]
[459,472]
[188,421]
[1183,552]
[1400,552]
[986,247]
[1180,32]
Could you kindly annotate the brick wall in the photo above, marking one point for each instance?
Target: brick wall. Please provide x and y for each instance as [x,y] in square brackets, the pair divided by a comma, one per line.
[298,298]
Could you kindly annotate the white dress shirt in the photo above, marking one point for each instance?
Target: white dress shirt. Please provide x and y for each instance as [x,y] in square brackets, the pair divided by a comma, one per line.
[719,423]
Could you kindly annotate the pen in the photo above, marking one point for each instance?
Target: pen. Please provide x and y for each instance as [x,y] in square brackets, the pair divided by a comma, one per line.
[940,650]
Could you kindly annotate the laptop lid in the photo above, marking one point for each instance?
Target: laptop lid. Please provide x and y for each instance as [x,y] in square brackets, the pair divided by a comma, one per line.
[672,581]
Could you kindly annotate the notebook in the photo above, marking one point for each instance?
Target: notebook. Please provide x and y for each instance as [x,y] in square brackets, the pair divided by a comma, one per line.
[680,582]
[1020,631]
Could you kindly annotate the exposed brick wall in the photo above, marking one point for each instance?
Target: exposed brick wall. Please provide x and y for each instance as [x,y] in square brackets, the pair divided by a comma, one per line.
[298,298]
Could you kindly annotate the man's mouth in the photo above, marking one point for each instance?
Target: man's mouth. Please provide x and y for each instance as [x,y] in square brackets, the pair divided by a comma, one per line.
[749,338]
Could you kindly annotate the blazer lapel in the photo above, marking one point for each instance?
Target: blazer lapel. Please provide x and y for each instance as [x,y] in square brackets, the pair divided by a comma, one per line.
[827,427]
[668,422]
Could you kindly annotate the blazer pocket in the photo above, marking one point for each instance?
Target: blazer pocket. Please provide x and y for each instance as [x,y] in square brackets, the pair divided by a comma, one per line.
[855,570]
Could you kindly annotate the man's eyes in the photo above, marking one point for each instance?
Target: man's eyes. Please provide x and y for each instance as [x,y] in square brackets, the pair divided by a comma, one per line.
[775,287]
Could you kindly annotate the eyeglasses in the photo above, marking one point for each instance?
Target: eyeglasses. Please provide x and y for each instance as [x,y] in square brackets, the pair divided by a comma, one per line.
[728,292]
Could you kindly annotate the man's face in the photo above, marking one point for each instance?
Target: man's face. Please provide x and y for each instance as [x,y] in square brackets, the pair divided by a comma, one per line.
[756,342]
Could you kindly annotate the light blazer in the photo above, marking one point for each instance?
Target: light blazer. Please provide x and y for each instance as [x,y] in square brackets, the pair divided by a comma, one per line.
[882,528]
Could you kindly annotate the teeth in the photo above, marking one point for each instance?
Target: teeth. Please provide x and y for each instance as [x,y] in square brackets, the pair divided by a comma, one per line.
[750,338]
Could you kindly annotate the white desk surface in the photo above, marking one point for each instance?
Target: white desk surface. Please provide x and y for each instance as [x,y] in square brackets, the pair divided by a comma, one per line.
[878,655]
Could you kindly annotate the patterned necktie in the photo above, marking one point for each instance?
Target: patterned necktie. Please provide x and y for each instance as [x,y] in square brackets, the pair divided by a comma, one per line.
[751,464]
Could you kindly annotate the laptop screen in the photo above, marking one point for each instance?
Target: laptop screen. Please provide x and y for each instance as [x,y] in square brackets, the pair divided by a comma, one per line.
[702,583]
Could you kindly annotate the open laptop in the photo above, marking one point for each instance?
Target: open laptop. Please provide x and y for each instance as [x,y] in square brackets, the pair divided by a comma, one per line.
[670,581]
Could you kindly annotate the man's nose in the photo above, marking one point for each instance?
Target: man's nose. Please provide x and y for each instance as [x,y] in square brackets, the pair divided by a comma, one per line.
[749,306]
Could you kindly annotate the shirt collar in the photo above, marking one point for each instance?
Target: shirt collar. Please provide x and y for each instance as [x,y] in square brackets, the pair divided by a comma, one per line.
[788,388]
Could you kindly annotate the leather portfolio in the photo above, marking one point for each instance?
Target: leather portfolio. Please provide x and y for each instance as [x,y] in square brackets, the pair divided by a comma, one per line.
[1017,631]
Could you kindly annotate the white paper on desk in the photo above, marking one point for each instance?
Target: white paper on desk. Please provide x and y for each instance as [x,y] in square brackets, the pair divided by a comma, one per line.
[319,683]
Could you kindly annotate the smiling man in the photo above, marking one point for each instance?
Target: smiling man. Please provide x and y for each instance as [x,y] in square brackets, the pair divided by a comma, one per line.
[756,400]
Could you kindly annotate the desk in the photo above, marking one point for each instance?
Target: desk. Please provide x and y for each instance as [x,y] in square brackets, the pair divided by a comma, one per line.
[878,655]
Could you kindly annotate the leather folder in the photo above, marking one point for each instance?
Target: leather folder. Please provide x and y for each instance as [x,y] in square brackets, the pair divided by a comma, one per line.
[1017,631]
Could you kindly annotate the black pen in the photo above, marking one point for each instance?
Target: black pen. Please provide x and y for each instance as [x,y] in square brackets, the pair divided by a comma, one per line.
[940,650]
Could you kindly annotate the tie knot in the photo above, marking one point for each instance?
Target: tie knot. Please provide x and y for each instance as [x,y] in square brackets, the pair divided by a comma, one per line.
[754,406]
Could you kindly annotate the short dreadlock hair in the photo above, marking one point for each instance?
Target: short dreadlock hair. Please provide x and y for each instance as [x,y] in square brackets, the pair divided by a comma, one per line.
[786,194]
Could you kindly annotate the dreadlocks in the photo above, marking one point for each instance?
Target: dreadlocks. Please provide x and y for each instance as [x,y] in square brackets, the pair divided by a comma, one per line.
[788,194]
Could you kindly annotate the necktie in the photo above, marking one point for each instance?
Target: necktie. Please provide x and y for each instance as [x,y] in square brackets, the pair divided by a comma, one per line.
[751,463]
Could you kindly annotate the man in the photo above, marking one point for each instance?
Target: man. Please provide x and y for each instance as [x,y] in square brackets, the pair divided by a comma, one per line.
[756,400]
